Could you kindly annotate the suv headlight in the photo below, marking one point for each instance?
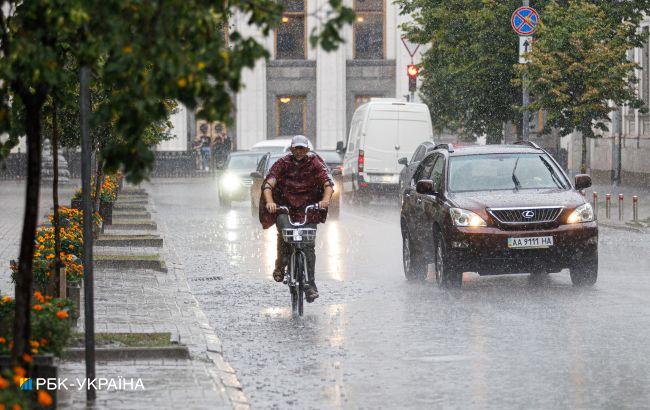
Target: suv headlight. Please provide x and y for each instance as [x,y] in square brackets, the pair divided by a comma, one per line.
[583,213]
[230,182]
[463,217]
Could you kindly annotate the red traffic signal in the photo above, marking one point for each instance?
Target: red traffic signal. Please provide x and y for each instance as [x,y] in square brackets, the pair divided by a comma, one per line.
[412,70]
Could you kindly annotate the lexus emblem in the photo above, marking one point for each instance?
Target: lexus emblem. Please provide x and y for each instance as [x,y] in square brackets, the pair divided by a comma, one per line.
[528,214]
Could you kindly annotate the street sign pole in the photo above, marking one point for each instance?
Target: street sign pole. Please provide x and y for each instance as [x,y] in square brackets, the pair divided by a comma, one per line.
[524,22]
[525,131]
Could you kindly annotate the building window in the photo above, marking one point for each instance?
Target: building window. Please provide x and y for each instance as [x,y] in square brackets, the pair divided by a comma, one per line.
[291,115]
[369,30]
[290,35]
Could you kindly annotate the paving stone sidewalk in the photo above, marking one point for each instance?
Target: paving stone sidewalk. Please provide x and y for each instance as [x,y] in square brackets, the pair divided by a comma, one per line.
[139,300]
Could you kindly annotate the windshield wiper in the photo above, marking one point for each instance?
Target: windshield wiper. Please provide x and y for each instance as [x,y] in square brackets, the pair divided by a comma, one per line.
[514,177]
[555,177]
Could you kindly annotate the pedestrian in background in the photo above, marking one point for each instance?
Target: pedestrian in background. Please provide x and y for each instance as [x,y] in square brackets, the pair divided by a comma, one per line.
[205,142]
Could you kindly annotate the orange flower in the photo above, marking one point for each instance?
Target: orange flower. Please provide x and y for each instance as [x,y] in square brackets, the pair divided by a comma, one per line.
[37,307]
[4,383]
[6,299]
[3,340]
[62,314]
[16,407]
[44,399]
[34,343]
[43,342]
[27,358]
[19,371]
[38,295]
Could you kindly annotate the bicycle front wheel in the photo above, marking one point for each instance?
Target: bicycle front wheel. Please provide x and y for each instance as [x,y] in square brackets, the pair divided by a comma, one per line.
[294,299]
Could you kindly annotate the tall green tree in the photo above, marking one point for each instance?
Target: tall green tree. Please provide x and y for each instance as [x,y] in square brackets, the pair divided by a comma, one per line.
[579,65]
[145,53]
[467,70]
[469,67]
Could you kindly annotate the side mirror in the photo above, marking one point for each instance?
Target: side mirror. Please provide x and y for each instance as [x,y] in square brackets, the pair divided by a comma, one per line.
[339,147]
[256,175]
[426,187]
[336,172]
[403,161]
[582,181]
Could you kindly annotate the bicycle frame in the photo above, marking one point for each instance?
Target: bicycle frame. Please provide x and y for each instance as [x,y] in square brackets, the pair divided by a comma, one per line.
[298,275]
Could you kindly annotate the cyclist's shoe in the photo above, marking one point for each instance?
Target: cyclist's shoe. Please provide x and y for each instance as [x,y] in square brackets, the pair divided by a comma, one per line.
[311,294]
[278,275]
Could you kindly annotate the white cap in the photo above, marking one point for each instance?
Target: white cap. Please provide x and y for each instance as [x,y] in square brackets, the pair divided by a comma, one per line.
[299,141]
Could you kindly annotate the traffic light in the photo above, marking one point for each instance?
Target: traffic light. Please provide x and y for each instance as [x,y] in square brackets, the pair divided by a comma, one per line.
[412,72]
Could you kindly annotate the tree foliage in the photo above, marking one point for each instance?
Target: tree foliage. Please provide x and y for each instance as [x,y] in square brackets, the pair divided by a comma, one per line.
[579,65]
[468,71]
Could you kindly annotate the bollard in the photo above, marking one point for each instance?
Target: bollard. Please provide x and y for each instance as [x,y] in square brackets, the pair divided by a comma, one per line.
[635,208]
[620,207]
[608,206]
[595,205]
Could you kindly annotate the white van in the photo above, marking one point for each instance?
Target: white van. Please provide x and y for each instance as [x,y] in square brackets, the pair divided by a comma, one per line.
[382,131]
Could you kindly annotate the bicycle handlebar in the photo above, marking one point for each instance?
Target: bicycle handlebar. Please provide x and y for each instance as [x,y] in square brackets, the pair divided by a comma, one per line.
[307,209]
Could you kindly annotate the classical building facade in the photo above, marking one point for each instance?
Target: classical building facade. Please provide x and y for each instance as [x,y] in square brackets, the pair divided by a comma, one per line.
[305,90]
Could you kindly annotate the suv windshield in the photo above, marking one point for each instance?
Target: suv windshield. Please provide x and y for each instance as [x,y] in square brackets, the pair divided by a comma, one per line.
[504,172]
[244,162]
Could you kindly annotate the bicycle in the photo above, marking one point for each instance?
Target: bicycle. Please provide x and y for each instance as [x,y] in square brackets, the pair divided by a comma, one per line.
[297,276]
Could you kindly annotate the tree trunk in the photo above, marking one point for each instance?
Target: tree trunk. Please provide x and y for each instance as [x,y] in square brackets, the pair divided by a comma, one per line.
[494,134]
[55,199]
[587,132]
[23,288]
[99,181]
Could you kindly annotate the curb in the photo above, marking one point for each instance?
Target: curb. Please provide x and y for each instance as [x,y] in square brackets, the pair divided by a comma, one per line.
[129,262]
[224,374]
[621,227]
[151,241]
[129,353]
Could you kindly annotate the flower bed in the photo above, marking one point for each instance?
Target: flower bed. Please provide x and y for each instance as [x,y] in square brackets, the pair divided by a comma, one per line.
[50,325]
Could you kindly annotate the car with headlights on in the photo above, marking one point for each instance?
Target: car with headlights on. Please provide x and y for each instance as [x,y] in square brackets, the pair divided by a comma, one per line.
[497,209]
[234,182]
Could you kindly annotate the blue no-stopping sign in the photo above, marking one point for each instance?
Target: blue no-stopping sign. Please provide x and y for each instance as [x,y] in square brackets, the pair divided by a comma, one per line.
[524,21]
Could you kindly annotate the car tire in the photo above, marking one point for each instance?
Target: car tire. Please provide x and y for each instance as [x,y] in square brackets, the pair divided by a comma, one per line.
[446,275]
[585,272]
[415,267]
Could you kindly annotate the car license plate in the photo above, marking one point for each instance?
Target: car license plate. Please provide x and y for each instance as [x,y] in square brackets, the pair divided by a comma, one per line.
[536,242]
[381,178]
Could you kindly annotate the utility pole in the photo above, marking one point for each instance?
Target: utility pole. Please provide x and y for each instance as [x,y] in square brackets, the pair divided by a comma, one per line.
[86,149]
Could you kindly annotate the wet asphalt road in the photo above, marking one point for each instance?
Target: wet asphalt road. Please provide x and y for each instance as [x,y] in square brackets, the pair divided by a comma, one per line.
[375,341]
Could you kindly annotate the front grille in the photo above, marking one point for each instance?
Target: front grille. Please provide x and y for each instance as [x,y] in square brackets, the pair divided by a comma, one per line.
[520,215]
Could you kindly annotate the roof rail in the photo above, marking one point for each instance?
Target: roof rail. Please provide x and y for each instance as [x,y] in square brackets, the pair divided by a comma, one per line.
[448,147]
[529,143]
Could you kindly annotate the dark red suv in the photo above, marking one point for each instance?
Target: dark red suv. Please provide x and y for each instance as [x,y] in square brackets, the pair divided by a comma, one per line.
[497,209]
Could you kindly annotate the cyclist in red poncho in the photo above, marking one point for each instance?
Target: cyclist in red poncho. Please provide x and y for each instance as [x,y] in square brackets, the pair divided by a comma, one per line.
[296,180]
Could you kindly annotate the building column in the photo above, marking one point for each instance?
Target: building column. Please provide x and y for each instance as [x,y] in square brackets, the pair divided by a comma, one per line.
[330,97]
[251,99]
